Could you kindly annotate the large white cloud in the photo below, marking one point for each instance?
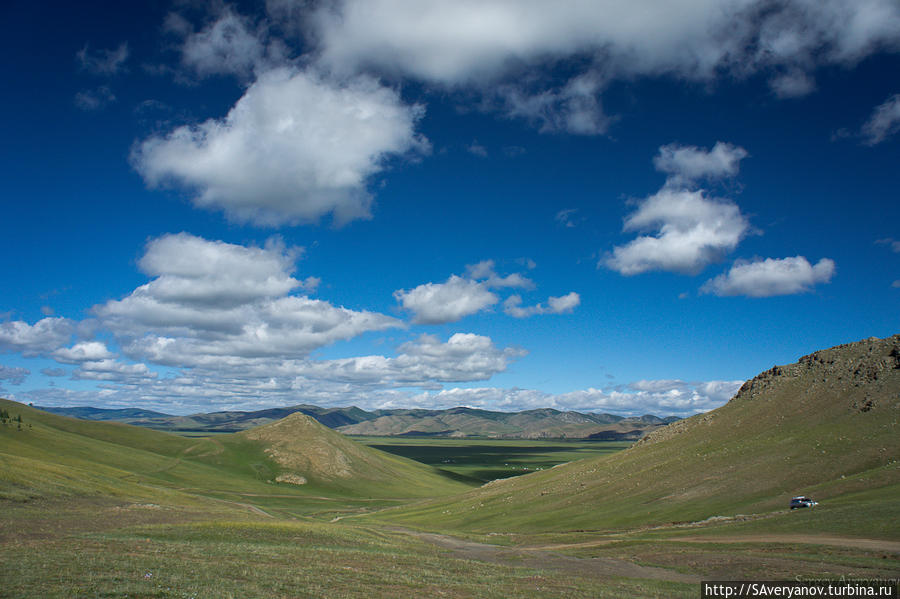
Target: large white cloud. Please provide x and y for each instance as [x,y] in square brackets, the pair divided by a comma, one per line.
[42,337]
[294,148]
[507,48]
[464,41]
[770,277]
[211,300]
[195,271]
[692,229]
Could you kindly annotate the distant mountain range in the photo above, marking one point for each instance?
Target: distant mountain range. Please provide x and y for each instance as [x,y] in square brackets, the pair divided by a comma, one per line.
[456,422]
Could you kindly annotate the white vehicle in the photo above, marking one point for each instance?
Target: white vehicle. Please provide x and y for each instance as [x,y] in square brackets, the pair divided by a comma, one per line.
[802,501]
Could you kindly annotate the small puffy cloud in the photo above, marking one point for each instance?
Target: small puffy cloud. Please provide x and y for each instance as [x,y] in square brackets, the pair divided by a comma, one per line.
[436,303]
[44,336]
[458,297]
[692,231]
[294,148]
[103,62]
[770,277]
[94,99]
[83,351]
[229,45]
[114,371]
[555,305]
[14,375]
[884,121]
[686,164]
[896,284]
[53,372]
[485,272]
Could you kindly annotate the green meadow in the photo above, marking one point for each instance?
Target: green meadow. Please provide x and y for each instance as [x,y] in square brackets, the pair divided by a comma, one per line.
[480,460]
[293,509]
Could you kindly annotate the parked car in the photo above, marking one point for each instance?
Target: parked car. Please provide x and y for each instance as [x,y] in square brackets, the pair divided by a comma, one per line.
[802,501]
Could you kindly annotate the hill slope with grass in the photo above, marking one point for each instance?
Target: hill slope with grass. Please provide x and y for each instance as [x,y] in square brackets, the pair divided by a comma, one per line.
[51,456]
[308,451]
[826,426]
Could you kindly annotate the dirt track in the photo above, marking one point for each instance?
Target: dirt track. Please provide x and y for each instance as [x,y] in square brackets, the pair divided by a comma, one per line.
[542,560]
[868,544]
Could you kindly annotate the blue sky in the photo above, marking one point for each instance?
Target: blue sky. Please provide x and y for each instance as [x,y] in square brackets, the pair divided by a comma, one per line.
[508,205]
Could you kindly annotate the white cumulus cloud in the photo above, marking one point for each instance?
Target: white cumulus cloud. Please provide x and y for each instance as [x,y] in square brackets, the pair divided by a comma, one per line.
[82,352]
[458,297]
[44,336]
[294,148]
[435,303]
[465,42]
[691,231]
[770,277]
[686,164]
[555,305]
[212,300]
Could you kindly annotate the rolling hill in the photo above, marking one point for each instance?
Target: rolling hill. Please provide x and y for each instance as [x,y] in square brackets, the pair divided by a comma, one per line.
[56,456]
[454,422]
[826,426]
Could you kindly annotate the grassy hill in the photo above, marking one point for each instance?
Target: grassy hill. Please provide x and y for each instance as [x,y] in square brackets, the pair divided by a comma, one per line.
[306,451]
[56,456]
[826,426]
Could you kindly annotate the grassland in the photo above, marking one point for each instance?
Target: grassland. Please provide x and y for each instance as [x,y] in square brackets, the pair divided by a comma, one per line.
[827,427]
[482,460]
[104,510]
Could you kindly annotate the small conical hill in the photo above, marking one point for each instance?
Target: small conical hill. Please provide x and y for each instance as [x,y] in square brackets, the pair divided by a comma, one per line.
[825,426]
[307,451]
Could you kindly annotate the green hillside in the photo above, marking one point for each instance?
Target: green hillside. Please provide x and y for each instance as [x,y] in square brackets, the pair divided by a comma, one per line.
[308,452]
[826,426]
[50,456]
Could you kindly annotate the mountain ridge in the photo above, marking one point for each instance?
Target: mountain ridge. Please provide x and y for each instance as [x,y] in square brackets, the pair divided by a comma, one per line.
[452,422]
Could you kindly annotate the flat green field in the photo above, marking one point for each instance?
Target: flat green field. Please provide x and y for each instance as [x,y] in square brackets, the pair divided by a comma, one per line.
[478,461]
